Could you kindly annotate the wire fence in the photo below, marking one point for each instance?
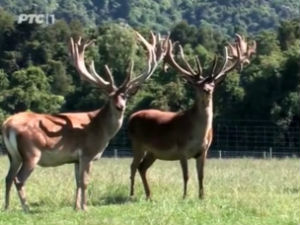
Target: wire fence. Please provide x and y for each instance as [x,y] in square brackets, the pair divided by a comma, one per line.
[232,139]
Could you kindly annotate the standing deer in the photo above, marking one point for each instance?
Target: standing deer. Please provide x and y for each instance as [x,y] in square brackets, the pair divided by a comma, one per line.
[180,136]
[79,138]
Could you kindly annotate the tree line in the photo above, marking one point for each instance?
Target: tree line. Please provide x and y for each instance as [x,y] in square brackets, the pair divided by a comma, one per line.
[225,15]
[36,74]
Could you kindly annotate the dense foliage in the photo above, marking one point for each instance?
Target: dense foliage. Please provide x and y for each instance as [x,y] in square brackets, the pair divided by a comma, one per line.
[36,74]
[225,15]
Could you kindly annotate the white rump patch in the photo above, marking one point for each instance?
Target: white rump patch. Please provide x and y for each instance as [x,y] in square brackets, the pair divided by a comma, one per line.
[12,145]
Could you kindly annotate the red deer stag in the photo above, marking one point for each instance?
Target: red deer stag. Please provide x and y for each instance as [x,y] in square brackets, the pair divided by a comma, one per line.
[180,136]
[79,138]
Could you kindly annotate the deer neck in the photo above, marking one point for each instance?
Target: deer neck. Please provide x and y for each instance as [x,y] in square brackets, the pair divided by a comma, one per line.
[202,110]
[108,120]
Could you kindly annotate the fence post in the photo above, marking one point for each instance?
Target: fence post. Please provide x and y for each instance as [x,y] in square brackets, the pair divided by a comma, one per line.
[264,154]
[270,152]
[220,154]
[115,153]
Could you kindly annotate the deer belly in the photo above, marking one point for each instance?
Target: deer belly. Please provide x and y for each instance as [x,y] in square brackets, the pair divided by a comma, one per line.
[165,154]
[57,157]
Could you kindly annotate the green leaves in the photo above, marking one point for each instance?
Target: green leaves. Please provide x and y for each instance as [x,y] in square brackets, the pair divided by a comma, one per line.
[28,89]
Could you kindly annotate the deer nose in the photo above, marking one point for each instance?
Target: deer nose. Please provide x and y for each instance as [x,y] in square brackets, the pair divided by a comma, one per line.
[119,107]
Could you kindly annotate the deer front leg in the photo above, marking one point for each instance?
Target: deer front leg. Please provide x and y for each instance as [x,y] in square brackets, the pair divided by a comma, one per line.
[185,173]
[84,170]
[78,188]
[200,170]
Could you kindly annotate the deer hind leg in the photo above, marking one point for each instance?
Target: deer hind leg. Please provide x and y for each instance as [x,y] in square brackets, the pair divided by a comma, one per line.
[78,188]
[200,171]
[15,164]
[25,171]
[137,157]
[185,173]
[143,167]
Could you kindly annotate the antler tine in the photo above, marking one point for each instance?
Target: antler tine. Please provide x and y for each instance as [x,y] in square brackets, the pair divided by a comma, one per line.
[169,59]
[242,43]
[109,76]
[154,38]
[162,46]
[213,69]
[199,67]
[246,51]
[77,50]
[100,81]
[186,64]
[156,53]
[77,56]
[224,69]
[128,75]
[240,55]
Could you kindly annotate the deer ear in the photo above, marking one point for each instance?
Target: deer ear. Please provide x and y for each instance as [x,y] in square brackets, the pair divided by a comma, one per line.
[132,91]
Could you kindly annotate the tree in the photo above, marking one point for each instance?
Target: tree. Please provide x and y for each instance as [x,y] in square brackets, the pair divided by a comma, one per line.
[28,89]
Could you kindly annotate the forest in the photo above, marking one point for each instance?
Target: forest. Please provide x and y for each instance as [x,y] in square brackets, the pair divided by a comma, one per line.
[36,73]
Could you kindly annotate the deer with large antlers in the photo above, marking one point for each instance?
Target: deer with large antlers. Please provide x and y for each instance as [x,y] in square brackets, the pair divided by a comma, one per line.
[180,136]
[50,140]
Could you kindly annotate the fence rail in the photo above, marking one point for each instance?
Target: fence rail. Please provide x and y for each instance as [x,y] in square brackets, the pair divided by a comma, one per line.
[212,153]
[245,138]
[240,138]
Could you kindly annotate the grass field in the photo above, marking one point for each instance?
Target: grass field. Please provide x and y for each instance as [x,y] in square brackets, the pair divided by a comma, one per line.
[238,191]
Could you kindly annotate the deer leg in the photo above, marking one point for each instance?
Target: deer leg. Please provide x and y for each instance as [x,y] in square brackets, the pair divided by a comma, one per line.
[134,165]
[25,171]
[13,170]
[200,170]
[185,173]
[84,170]
[78,189]
[143,167]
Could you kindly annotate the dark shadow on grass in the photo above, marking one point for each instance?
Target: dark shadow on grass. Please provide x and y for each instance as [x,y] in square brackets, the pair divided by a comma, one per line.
[113,199]
[291,190]
[43,206]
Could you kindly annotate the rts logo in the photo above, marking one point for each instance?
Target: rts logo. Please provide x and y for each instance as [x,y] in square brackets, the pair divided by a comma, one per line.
[36,18]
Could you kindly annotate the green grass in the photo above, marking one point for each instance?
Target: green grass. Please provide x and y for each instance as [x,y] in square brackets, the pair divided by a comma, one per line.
[238,191]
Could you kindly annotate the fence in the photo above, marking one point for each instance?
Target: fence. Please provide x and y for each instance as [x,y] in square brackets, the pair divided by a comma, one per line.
[243,138]
[247,138]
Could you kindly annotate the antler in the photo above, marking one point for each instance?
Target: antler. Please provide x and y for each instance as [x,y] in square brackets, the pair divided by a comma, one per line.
[156,50]
[77,55]
[240,53]
[187,70]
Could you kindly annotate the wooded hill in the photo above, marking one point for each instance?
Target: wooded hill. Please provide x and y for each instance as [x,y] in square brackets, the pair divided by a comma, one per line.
[227,16]
[36,74]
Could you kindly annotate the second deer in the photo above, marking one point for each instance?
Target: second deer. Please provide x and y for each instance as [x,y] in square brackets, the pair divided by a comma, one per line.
[180,136]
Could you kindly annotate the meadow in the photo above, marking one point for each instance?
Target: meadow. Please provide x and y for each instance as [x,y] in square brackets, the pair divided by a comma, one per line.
[238,192]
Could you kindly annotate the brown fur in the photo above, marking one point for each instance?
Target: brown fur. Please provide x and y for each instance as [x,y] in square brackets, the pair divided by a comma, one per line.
[53,140]
[172,136]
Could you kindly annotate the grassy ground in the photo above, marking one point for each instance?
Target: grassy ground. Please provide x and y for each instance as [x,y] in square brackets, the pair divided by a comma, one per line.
[238,191]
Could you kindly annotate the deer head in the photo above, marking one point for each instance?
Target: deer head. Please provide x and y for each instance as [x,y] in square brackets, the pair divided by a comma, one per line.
[156,50]
[235,56]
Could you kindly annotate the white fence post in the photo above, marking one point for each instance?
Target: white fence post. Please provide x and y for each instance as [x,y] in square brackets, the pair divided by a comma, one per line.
[116,153]
[264,154]
[220,154]
[271,152]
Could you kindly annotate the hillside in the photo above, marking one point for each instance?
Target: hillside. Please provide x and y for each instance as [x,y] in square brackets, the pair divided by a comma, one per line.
[226,15]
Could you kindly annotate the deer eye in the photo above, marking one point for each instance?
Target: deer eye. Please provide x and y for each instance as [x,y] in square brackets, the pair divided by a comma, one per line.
[122,95]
